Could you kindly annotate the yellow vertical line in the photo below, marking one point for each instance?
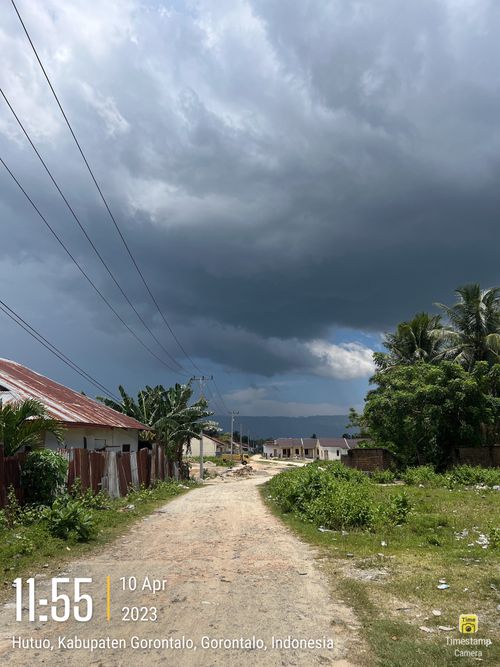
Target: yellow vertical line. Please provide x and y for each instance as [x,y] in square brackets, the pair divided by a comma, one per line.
[108,598]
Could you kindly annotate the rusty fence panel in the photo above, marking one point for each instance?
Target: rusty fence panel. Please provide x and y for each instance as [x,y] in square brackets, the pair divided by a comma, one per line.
[114,472]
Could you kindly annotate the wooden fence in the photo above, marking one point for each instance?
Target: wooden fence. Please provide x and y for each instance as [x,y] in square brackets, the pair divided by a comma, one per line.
[113,472]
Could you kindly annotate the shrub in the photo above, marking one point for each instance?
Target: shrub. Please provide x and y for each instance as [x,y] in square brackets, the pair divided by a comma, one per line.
[328,494]
[43,476]
[89,499]
[70,519]
[397,509]
[425,475]
[494,538]
[383,477]
[469,475]
[341,505]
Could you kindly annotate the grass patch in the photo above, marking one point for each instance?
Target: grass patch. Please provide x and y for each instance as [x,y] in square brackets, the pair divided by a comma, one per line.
[29,545]
[389,571]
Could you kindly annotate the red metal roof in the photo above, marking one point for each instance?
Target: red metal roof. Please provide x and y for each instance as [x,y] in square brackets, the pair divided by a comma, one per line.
[62,403]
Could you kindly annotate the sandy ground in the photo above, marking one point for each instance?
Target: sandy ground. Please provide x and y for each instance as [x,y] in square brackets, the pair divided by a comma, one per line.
[232,571]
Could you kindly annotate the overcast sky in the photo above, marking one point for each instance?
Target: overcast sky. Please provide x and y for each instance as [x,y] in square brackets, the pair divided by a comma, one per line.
[293,178]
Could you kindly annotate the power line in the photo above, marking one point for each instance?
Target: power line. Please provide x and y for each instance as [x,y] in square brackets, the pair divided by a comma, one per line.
[15,317]
[117,227]
[82,271]
[84,231]
[223,402]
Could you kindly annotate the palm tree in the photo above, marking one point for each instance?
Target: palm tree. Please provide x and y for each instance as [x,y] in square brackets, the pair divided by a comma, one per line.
[25,423]
[167,411]
[473,332]
[419,339]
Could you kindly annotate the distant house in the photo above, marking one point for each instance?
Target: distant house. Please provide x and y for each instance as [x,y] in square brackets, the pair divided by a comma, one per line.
[211,446]
[331,449]
[88,424]
[328,449]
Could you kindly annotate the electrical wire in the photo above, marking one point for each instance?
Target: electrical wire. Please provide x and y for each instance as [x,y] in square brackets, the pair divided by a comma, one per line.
[115,223]
[82,271]
[15,317]
[84,231]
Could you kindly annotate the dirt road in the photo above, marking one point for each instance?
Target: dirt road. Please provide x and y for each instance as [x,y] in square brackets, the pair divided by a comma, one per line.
[232,572]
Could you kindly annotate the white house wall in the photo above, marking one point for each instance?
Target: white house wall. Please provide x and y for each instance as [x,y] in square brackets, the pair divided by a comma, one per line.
[209,447]
[112,439]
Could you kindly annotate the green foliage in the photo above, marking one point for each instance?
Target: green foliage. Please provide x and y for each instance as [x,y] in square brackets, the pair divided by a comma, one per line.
[459,476]
[341,504]
[168,412]
[472,475]
[423,411]
[494,538]
[417,340]
[43,476]
[24,423]
[383,477]
[333,496]
[398,508]
[425,475]
[69,519]
[473,332]
[89,499]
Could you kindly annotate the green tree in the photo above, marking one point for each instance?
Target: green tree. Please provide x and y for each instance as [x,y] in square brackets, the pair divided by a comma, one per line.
[423,411]
[169,414]
[419,339]
[473,332]
[25,423]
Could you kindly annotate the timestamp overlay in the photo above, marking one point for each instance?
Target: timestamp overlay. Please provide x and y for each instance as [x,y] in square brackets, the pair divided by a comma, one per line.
[211,578]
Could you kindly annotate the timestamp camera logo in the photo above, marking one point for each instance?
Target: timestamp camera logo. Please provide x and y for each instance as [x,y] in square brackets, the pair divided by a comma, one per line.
[468,624]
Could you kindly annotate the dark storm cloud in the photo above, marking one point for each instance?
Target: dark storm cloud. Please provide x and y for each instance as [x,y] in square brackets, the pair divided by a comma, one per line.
[279,168]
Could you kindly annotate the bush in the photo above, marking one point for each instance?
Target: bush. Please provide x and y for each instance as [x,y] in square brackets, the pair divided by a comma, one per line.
[425,475]
[69,519]
[327,494]
[383,477]
[460,476]
[471,475]
[397,509]
[89,499]
[43,476]
[341,505]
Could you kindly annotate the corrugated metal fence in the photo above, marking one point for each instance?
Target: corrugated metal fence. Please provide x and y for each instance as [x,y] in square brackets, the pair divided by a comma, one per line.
[113,472]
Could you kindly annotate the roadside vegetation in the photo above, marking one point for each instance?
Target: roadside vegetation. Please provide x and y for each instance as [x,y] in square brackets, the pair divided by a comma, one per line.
[35,536]
[409,557]
[437,387]
[168,413]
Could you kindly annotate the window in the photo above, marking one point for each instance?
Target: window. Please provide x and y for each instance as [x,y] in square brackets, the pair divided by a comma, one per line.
[84,442]
[338,452]
[125,448]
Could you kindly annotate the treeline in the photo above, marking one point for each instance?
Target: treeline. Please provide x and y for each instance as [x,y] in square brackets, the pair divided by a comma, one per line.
[437,387]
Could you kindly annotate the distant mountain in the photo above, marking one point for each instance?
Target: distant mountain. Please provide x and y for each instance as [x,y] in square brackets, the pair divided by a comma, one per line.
[288,427]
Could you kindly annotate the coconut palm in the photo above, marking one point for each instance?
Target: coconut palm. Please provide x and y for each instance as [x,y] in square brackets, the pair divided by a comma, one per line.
[25,423]
[418,339]
[473,332]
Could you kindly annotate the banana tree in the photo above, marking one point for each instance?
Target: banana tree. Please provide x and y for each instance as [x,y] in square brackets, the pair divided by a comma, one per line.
[168,413]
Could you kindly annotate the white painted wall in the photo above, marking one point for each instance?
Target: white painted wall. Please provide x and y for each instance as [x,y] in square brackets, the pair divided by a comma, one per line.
[331,453]
[209,447]
[112,438]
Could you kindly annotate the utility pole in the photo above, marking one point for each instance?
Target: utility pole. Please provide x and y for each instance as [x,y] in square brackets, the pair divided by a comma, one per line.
[233,412]
[201,380]
[241,439]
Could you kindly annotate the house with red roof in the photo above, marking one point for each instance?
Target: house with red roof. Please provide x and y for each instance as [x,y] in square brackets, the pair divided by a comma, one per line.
[87,423]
